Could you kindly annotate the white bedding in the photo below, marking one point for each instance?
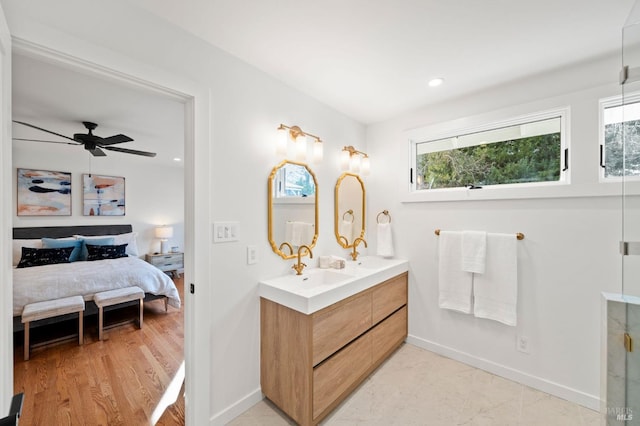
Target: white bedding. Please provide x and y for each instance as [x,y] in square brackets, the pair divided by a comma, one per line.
[49,282]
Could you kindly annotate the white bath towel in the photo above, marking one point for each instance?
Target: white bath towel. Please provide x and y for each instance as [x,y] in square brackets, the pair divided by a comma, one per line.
[346,230]
[496,291]
[384,247]
[474,250]
[298,233]
[454,284]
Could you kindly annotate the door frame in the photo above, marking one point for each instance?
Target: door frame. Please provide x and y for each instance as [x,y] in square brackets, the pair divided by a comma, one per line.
[196,97]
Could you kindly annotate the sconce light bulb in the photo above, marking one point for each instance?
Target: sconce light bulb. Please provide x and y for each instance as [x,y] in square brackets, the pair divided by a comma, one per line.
[344,160]
[365,166]
[317,152]
[355,163]
[301,147]
[281,142]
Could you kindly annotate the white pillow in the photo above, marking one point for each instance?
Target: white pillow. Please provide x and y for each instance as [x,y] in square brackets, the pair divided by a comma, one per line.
[17,248]
[129,239]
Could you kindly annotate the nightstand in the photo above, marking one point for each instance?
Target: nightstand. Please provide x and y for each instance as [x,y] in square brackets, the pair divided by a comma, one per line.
[167,262]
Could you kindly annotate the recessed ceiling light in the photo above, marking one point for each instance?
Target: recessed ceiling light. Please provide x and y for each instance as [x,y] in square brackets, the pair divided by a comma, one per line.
[436,82]
[177,159]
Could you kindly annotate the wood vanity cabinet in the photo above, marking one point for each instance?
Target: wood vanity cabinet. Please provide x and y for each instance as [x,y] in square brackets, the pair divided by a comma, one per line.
[310,363]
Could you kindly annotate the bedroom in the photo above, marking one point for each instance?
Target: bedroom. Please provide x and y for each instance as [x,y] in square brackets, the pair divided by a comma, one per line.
[242,108]
[59,97]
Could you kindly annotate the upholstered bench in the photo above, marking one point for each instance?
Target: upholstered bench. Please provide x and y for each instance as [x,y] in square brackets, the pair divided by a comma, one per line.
[115,297]
[52,308]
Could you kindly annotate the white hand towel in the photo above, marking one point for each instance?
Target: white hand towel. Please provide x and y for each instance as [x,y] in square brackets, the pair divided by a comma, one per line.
[385,240]
[496,291]
[346,230]
[298,233]
[454,284]
[474,250]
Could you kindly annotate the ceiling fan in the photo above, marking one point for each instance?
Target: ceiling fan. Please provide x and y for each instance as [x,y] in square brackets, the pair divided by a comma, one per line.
[92,143]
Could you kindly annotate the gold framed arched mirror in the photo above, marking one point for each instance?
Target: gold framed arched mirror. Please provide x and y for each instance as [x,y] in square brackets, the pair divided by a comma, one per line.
[349,209]
[293,208]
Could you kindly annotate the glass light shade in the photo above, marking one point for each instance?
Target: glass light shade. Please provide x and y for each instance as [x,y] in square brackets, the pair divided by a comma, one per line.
[317,152]
[164,232]
[354,164]
[365,166]
[301,147]
[344,160]
[281,142]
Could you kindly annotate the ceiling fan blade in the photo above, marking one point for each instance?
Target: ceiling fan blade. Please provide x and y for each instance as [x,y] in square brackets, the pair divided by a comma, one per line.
[111,140]
[40,140]
[130,151]
[45,130]
[97,152]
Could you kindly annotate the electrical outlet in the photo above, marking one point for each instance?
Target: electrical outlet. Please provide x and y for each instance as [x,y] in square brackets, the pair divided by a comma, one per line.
[522,344]
[252,256]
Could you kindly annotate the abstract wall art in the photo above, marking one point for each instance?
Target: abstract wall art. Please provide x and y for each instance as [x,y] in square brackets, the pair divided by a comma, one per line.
[102,195]
[43,193]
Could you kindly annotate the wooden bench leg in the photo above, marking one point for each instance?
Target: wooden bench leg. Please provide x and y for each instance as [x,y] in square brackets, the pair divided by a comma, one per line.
[100,319]
[80,328]
[141,310]
[26,341]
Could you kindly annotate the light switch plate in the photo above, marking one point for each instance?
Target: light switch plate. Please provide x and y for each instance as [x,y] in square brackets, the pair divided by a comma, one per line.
[224,232]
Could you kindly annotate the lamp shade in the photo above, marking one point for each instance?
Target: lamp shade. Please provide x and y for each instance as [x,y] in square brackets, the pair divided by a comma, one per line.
[164,232]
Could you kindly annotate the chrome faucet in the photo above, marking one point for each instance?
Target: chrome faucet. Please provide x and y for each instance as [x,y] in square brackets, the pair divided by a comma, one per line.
[354,253]
[299,266]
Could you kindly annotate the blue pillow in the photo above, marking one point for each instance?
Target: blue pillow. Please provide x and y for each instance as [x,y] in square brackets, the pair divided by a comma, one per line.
[106,241]
[76,244]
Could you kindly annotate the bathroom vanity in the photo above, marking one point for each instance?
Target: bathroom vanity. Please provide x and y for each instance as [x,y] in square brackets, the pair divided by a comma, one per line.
[322,334]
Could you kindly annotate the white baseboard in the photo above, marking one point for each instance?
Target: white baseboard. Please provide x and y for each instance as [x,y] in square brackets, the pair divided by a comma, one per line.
[225,416]
[544,385]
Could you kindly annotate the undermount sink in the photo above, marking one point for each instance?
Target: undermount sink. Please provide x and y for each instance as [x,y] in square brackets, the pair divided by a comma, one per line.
[317,288]
[312,278]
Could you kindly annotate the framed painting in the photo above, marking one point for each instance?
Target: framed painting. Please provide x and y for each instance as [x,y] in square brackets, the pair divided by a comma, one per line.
[102,195]
[43,193]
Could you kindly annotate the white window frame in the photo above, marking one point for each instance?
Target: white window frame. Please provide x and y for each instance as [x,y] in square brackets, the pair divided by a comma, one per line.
[504,191]
[612,101]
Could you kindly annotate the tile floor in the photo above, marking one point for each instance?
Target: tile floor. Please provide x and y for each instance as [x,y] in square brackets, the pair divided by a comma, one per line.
[418,387]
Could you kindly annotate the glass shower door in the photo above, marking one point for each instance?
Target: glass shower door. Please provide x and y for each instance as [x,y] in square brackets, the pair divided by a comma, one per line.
[629,414]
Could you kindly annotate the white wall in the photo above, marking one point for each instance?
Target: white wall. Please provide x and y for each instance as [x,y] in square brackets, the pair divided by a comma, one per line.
[247,106]
[153,194]
[569,254]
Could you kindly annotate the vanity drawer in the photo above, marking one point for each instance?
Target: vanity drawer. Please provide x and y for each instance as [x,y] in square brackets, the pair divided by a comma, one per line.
[340,373]
[337,325]
[389,334]
[389,296]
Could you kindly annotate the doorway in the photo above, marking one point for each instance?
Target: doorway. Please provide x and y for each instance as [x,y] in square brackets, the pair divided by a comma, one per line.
[196,199]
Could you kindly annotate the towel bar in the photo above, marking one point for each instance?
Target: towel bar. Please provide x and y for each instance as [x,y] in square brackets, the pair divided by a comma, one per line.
[519,235]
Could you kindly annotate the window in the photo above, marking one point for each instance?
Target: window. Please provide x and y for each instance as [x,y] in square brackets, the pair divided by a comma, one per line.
[620,138]
[528,150]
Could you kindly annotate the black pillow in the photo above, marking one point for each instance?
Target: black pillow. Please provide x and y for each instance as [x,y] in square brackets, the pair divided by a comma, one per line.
[44,256]
[106,252]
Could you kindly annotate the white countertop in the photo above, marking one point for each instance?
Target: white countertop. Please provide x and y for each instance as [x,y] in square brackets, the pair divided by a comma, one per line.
[318,288]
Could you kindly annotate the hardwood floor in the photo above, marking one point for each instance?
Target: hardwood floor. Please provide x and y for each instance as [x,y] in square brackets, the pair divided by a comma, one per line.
[118,381]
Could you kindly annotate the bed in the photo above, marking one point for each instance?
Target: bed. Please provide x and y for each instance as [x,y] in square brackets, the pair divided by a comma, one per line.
[85,278]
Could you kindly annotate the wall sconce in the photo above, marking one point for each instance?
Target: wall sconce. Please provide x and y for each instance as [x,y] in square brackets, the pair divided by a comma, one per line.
[299,138]
[164,233]
[355,161]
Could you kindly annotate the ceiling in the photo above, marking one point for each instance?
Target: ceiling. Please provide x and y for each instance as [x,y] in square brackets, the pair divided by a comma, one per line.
[59,99]
[372,59]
